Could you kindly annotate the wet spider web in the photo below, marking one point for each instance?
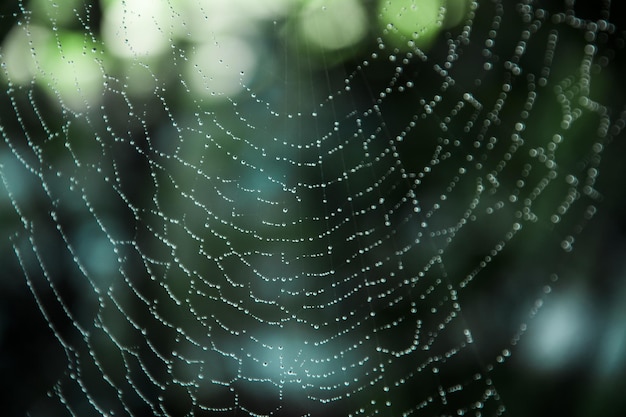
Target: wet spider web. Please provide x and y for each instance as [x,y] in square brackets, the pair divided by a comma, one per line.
[361,234]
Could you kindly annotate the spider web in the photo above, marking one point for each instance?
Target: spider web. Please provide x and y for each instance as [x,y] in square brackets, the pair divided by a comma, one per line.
[365,231]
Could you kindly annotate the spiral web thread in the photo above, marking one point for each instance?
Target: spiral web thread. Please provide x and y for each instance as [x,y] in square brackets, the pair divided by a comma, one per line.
[334,244]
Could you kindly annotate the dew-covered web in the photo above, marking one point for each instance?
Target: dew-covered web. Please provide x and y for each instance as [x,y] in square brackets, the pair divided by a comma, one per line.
[244,222]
